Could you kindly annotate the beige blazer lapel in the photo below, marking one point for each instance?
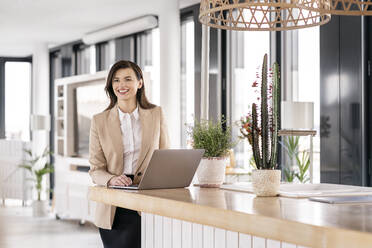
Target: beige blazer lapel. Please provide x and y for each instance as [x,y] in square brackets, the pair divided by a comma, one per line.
[113,126]
[146,118]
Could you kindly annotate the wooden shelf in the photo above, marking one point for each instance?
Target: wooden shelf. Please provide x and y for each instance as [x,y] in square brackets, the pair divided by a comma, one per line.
[293,132]
[78,161]
[236,171]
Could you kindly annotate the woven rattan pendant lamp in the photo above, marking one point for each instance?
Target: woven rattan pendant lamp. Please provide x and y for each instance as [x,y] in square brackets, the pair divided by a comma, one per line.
[339,7]
[262,15]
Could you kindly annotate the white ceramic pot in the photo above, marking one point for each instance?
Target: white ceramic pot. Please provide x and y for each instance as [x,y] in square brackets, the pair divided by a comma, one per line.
[211,172]
[266,182]
[39,208]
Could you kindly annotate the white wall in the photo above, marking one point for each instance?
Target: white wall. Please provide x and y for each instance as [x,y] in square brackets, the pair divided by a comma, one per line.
[40,93]
[40,96]
[170,59]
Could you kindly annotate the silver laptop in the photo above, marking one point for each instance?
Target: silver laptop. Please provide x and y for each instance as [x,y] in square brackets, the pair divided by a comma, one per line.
[169,168]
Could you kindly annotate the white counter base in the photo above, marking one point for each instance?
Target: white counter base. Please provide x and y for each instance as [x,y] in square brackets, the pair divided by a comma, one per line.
[158,231]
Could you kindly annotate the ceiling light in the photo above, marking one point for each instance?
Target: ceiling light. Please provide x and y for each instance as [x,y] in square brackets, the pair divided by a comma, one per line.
[262,15]
[339,7]
[122,29]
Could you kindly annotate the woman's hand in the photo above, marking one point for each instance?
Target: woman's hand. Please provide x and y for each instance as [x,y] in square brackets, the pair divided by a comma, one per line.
[121,180]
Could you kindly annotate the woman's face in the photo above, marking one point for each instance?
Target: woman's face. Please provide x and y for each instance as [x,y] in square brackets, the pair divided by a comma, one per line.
[125,84]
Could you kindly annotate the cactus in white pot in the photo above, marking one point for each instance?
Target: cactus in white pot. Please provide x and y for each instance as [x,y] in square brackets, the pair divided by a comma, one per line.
[261,130]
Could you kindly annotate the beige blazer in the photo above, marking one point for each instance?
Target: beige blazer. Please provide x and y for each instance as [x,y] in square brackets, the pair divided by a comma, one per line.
[106,151]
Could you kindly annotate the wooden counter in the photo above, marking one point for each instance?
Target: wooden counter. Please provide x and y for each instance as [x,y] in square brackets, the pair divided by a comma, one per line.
[296,221]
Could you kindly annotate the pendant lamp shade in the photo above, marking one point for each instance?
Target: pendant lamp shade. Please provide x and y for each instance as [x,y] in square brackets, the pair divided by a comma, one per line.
[339,7]
[297,115]
[261,15]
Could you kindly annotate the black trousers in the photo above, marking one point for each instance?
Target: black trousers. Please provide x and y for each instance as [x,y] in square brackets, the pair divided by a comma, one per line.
[125,232]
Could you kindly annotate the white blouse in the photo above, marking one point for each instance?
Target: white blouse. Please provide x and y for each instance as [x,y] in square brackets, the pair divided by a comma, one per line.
[130,125]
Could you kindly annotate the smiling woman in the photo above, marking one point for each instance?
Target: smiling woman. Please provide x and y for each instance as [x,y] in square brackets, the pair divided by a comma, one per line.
[126,72]
[125,84]
[122,140]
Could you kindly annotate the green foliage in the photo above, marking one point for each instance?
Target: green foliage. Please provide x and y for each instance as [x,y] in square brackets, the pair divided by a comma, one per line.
[302,159]
[291,145]
[303,164]
[252,163]
[262,146]
[36,172]
[210,136]
[289,175]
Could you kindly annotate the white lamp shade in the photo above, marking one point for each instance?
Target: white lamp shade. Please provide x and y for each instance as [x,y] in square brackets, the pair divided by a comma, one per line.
[297,115]
[40,122]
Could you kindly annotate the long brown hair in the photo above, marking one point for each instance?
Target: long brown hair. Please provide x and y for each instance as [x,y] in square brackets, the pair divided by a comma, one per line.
[141,96]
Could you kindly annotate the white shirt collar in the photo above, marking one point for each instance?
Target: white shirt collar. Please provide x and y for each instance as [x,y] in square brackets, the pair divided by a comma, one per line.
[134,113]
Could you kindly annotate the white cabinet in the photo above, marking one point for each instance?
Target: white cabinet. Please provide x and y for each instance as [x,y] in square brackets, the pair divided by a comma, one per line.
[71,190]
[178,233]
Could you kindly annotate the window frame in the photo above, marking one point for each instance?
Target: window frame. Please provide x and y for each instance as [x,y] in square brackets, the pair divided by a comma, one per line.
[3,60]
[227,77]
[193,13]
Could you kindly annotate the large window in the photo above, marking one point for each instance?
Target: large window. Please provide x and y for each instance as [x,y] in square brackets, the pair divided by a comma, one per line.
[17,100]
[125,48]
[308,86]
[301,83]
[148,58]
[103,56]
[187,77]
[246,51]
[85,59]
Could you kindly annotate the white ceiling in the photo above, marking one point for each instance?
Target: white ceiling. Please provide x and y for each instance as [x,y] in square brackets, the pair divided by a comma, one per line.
[25,23]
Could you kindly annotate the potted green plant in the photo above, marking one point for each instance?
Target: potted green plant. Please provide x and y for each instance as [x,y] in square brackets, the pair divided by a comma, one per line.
[261,130]
[217,142]
[38,168]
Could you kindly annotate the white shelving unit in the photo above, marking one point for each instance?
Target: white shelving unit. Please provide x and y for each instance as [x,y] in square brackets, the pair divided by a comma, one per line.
[71,178]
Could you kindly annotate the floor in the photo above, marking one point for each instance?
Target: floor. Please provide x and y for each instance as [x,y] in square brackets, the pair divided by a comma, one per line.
[19,229]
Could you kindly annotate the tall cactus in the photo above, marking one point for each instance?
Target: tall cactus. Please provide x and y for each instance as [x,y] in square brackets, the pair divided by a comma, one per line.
[264,114]
[269,129]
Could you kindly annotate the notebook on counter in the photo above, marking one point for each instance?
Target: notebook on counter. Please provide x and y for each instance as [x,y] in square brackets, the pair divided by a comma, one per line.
[294,190]
[343,199]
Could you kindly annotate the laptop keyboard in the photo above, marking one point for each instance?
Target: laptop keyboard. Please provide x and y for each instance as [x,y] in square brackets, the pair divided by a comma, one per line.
[134,186]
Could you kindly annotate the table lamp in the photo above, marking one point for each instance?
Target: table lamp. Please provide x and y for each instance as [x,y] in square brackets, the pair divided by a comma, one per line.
[297,119]
[297,115]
